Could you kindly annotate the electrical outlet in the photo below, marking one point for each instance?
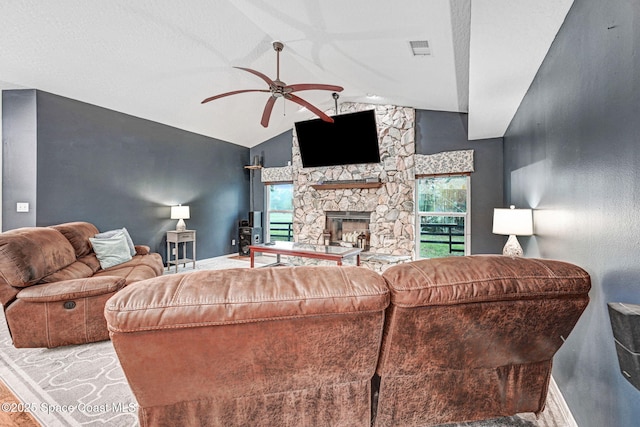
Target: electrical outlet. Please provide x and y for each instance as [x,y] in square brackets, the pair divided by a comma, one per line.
[22,207]
[233,242]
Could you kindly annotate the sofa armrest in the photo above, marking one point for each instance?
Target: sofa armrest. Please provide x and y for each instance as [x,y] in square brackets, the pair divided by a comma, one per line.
[71,289]
[143,250]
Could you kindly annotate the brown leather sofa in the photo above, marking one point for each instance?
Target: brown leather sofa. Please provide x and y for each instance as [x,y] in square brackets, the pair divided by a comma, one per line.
[251,347]
[428,342]
[52,286]
[470,338]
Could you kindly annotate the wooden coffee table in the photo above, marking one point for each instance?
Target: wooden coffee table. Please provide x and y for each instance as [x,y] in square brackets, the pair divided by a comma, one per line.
[331,253]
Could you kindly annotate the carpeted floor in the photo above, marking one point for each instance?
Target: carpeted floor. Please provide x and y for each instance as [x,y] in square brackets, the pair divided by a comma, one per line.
[84,385]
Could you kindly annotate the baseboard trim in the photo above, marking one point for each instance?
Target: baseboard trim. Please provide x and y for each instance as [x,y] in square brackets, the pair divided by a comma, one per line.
[561,404]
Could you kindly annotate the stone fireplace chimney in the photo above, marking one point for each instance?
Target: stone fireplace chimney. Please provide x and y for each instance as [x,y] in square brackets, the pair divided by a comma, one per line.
[389,203]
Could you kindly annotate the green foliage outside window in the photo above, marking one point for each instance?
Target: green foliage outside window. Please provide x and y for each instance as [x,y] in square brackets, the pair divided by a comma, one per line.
[448,194]
[281,197]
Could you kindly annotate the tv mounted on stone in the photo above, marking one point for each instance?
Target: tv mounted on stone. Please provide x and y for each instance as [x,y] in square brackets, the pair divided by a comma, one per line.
[351,139]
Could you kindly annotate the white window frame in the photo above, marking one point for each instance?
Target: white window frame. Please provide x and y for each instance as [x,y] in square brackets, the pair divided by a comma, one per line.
[267,189]
[466,215]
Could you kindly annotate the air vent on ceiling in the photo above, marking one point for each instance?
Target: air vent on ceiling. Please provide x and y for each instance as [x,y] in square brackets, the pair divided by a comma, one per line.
[420,47]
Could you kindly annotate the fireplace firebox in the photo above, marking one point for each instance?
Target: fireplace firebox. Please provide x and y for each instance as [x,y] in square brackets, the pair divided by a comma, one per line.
[348,228]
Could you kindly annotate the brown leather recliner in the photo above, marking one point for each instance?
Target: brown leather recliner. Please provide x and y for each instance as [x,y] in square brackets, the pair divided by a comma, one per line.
[53,289]
[288,346]
[470,338]
[464,338]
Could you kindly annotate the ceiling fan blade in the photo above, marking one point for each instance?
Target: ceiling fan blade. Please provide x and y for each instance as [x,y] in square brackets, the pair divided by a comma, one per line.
[222,95]
[266,114]
[259,74]
[313,86]
[309,106]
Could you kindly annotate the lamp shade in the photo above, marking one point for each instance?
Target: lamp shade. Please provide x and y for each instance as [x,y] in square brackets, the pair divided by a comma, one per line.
[512,221]
[180,212]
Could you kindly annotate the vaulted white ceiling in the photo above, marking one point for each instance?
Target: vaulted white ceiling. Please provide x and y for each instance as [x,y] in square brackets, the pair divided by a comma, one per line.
[158,59]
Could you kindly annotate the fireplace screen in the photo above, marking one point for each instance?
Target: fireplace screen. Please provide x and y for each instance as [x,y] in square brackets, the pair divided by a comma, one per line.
[348,228]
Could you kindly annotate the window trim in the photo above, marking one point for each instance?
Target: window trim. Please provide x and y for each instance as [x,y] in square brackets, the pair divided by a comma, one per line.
[466,215]
[267,219]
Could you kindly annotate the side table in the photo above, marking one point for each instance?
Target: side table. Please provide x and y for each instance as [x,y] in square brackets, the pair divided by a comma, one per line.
[177,237]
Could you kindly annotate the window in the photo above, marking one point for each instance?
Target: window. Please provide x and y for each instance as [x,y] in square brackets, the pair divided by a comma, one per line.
[279,212]
[443,216]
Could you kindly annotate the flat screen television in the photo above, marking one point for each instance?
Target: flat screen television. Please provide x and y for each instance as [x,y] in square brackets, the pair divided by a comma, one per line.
[351,139]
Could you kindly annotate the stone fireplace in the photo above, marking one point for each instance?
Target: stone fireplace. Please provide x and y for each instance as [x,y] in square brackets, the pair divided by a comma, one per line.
[385,190]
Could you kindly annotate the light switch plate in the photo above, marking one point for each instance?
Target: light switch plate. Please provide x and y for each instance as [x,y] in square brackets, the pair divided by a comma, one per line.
[22,207]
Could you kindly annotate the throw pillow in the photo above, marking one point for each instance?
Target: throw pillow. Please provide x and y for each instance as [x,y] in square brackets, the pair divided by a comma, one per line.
[109,234]
[111,251]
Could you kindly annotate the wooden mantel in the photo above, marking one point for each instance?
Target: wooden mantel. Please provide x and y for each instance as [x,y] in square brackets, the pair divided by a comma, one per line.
[346,184]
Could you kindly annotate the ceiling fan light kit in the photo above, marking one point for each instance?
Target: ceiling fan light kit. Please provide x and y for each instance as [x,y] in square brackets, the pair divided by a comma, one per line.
[279,89]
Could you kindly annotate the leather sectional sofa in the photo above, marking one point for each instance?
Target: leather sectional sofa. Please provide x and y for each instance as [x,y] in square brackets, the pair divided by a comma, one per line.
[53,288]
[426,343]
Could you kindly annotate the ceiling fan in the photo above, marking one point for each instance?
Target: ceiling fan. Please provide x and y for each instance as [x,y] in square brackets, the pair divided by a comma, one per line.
[279,89]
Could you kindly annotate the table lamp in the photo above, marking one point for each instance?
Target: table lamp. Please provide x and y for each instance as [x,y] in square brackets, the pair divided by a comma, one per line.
[180,213]
[513,222]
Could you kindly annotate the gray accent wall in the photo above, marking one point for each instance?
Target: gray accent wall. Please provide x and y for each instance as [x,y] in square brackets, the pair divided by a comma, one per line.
[438,131]
[19,159]
[572,152]
[78,162]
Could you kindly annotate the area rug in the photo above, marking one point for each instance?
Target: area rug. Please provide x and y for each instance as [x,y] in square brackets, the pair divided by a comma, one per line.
[84,385]
[80,385]
[230,261]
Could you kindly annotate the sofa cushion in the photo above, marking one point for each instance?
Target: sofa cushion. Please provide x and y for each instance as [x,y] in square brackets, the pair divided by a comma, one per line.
[111,251]
[140,267]
[482,278]
[91,261]
[109,234]
[31,253]
[71,289]
[244,295]
[77,270]
[78,233]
